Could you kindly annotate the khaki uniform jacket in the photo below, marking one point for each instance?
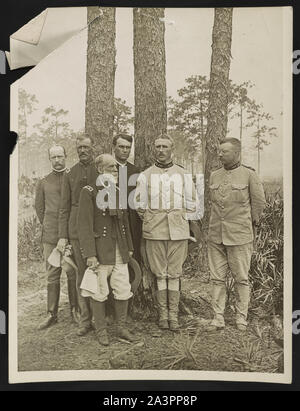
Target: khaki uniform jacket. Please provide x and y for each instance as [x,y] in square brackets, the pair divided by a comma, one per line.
[47,203]
[99,232]
[74,180]
[164,197]
[237,200]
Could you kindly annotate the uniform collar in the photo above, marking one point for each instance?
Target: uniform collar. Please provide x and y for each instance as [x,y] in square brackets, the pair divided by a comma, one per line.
[120,164]
[160,165]
[86,164]
[57,172]
[234,166]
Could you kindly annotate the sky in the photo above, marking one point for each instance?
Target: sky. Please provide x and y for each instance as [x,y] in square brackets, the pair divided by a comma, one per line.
[257,54]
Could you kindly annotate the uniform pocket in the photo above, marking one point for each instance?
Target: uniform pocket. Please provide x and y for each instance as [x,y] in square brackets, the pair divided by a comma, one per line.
[240,192]
[148,217]
[213,191]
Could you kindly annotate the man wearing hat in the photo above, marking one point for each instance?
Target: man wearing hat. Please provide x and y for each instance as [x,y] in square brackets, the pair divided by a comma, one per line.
[47,204]
[104,235]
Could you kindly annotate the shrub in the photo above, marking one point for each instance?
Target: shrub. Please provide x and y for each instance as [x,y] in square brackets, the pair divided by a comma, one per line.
[266,273]
[29,240]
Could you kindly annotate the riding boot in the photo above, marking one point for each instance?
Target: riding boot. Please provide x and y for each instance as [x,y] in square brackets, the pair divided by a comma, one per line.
[121,307]
[73,300]
[100,321]
[242,302]
[53,291]
[162,302]
[173,302]
[218,293]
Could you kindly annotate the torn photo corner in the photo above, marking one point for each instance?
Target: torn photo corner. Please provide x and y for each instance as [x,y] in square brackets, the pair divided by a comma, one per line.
[139,74]
[45,33]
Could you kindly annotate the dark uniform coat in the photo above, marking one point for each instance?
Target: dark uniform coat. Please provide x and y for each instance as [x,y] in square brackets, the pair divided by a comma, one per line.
[238,201]
[135,222]
[47,204]
[74,180]
[99,230]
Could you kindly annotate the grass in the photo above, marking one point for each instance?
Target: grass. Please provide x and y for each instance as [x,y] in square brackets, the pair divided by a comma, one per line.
[259,349]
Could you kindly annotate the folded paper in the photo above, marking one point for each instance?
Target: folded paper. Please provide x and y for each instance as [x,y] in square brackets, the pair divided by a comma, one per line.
[43,34]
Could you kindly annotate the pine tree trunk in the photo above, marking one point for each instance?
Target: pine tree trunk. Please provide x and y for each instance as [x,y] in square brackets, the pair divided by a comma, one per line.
[100,77]
[150,109]
[149,81]
[217,115]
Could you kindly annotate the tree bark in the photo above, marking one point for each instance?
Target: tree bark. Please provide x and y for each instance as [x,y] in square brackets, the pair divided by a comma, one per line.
[100,77]
[217,115]
[149,81]
[219,91]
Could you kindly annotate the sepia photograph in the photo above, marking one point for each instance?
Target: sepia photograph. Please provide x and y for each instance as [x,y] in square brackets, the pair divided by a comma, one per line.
[150,195]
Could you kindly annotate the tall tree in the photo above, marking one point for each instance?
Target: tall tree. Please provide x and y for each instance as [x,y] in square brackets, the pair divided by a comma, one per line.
[123,119]
[53,127]
[219,95]
[240,105]
[187,115]
[150,105]
[100,76]
[259,120]
[217,112]
[27,104]
[149,81]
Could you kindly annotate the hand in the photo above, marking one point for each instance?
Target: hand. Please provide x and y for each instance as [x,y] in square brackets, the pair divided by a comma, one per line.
[61,245]
[92,262]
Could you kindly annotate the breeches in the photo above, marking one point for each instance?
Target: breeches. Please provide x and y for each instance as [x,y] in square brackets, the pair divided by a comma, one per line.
[166,257]
[118,275]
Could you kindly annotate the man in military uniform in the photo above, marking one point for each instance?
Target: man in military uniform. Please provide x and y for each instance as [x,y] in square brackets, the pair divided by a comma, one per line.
[128,174]
[47,204]
[164,199]
[80,175]
[104,235]
[238,201]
